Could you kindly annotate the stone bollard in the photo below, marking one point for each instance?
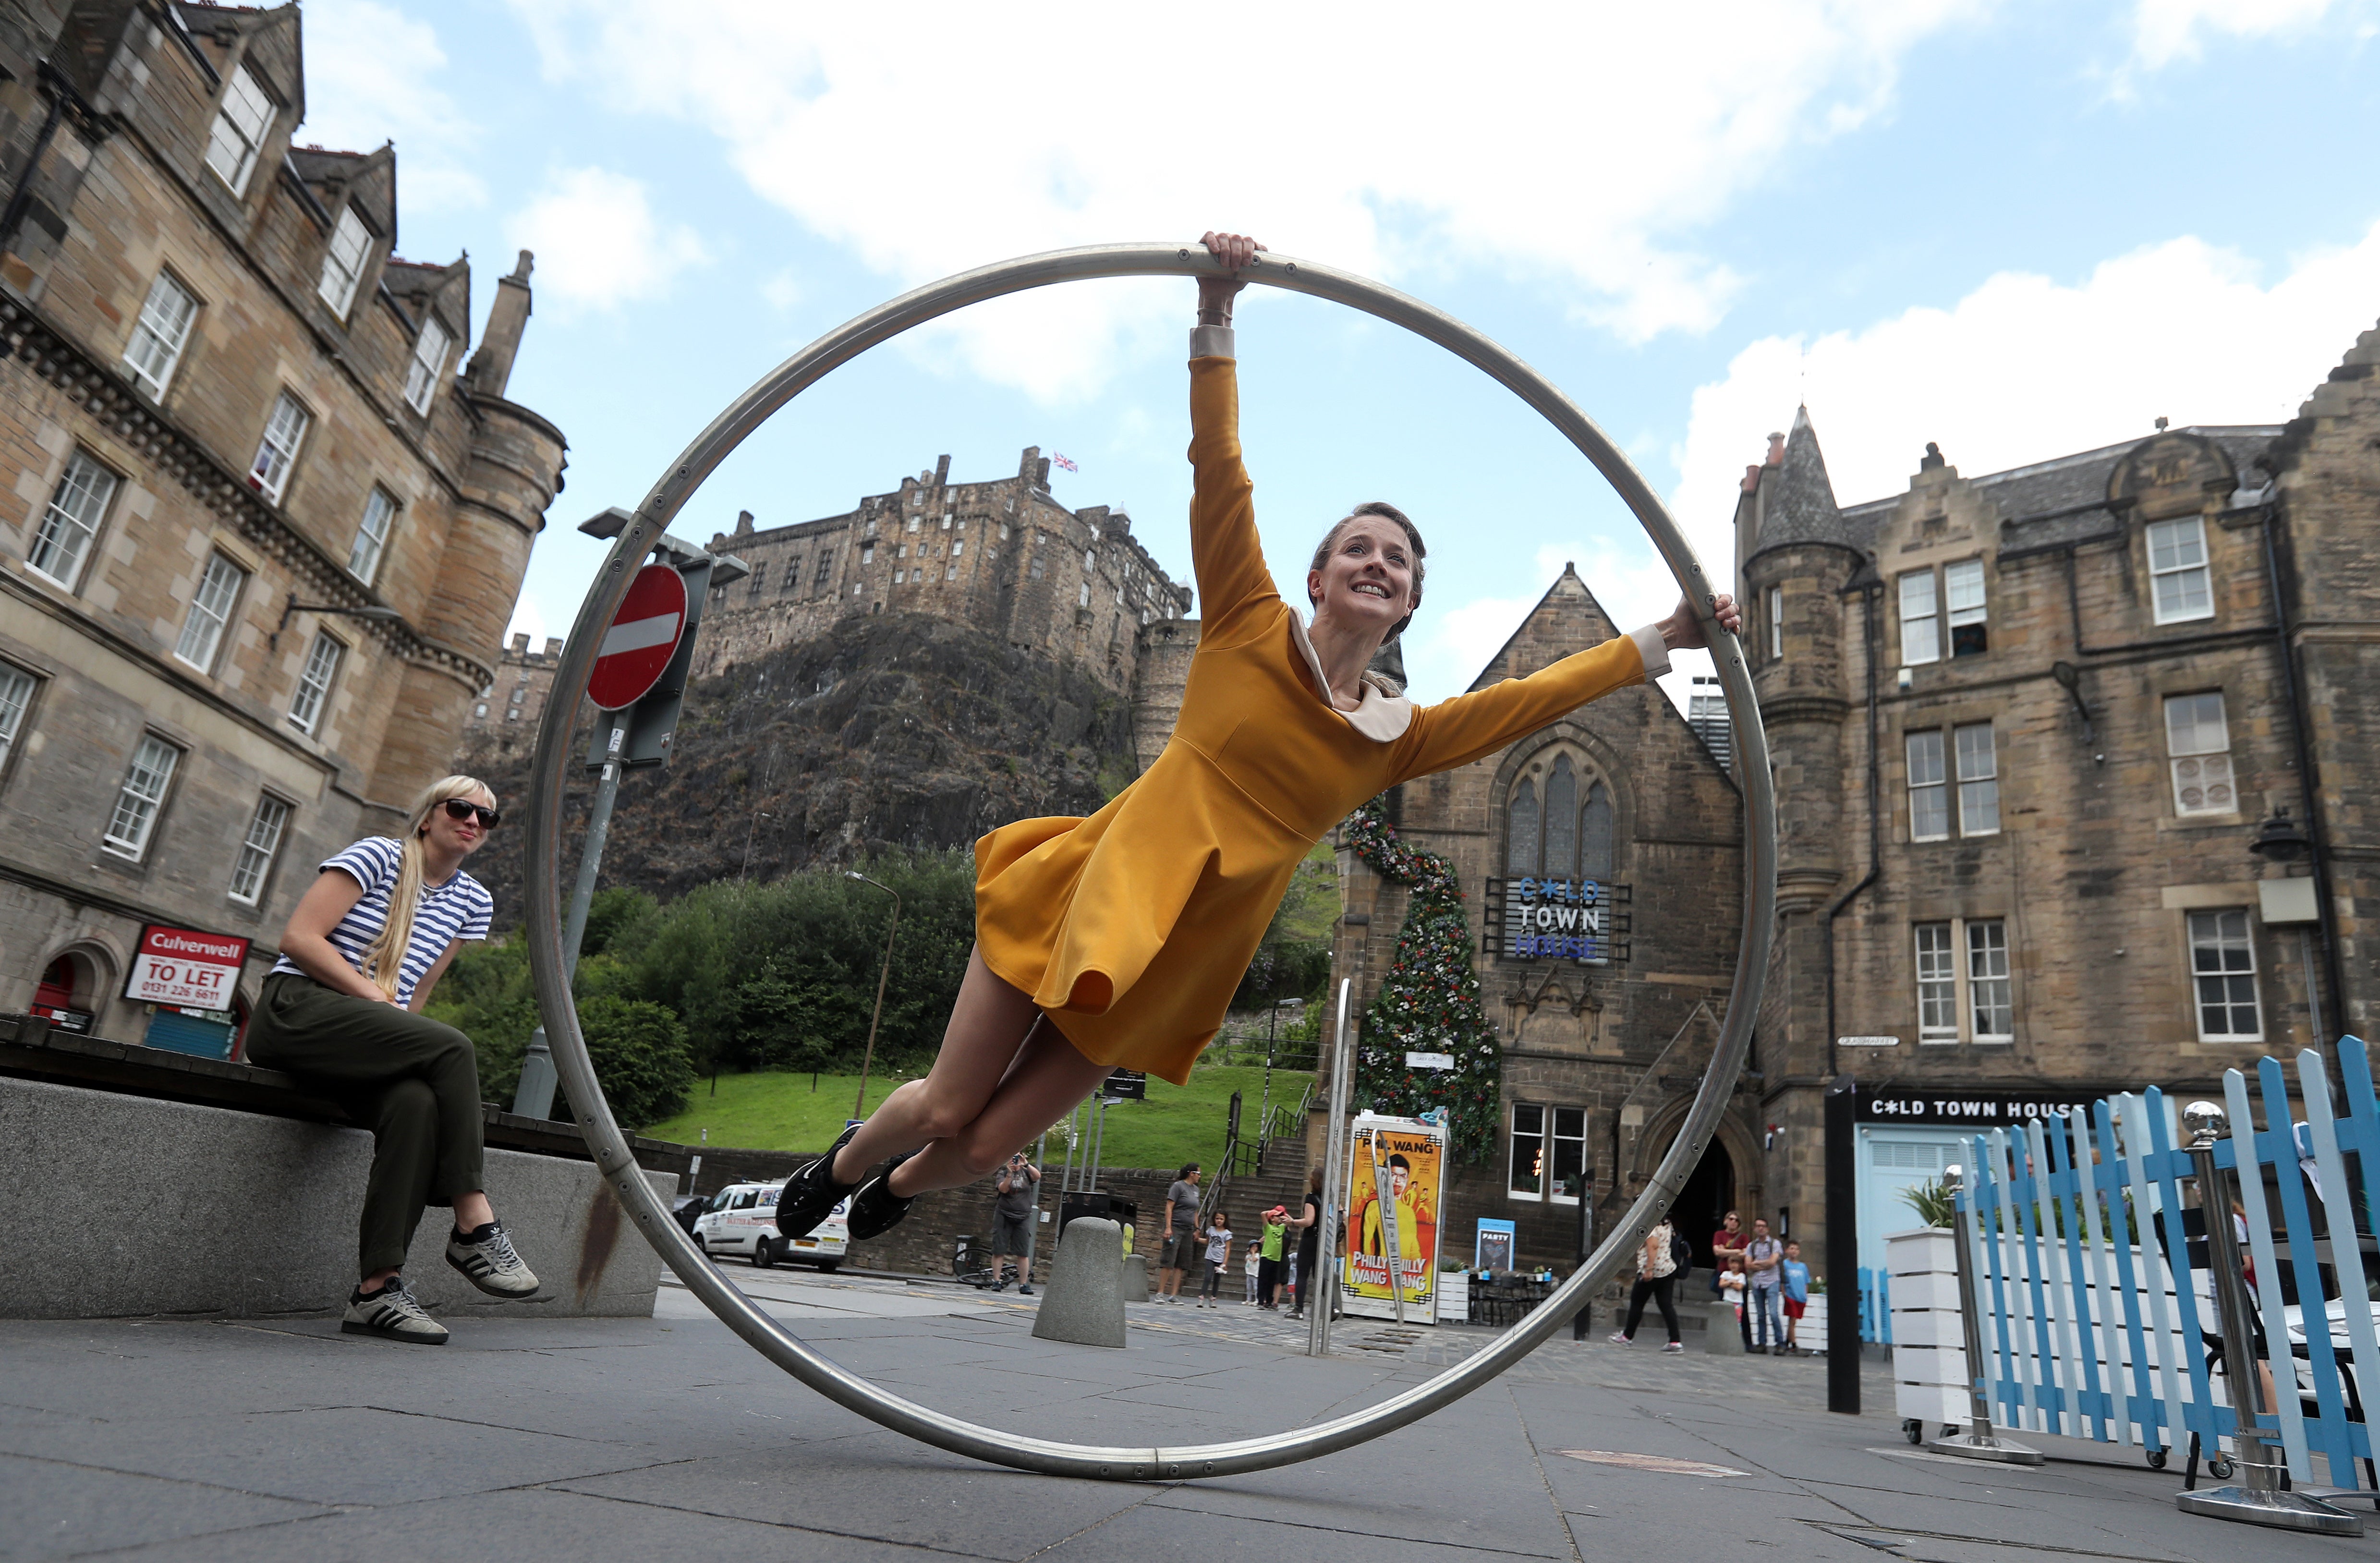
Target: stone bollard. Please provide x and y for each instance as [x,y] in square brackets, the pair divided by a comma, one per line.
[1136,1277]
[1722,1332]
[1081,1300]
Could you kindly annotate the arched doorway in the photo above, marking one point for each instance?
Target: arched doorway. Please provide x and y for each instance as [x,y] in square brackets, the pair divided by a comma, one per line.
[1704,1203]
[71,991]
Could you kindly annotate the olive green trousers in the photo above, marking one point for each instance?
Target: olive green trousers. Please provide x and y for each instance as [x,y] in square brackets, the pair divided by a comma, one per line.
[414,1083]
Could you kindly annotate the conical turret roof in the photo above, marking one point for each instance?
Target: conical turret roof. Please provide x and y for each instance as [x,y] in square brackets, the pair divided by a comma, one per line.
[1801,506]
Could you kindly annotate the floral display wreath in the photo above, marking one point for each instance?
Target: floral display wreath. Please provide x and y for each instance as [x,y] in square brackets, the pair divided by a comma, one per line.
[1429,1008]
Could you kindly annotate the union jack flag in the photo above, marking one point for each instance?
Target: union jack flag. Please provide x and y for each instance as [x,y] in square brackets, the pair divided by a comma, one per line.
[1065,462]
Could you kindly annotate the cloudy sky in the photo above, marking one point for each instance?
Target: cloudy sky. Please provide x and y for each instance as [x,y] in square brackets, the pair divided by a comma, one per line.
[2019,229]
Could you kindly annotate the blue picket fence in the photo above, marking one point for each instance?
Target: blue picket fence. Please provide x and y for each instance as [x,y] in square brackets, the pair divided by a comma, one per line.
[2089,1264]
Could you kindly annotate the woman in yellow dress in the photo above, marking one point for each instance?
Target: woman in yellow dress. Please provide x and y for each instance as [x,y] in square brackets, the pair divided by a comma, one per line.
[1118,940]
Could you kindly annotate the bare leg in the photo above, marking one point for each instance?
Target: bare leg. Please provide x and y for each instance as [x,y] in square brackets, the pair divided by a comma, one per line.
[987,1028]
[1048,1078]
[472,1211]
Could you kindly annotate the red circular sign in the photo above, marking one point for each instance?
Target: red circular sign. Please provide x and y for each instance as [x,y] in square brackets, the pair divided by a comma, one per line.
[643,637]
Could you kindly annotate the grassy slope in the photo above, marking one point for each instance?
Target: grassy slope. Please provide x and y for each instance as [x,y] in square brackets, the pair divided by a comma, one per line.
[774,1111]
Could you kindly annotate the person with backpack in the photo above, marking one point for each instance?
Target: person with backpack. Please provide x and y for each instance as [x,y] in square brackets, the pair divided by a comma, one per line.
[1665,1255]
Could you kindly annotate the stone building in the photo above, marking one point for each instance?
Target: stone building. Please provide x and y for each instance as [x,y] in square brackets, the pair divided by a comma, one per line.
[2050,748]
[1601,1054]
[1001,555]
[258,538]
[503,717]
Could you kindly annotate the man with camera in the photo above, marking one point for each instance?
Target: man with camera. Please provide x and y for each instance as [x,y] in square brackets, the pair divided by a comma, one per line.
[1020,1200]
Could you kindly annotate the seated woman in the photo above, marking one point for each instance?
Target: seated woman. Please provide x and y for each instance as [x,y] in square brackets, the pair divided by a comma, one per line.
[1118,940]
[341,1011]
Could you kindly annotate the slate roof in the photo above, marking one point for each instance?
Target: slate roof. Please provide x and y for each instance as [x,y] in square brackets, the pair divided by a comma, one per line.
[1802,505]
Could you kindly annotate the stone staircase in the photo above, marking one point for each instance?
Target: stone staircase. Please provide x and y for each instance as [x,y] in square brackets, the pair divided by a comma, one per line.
[1245,1195]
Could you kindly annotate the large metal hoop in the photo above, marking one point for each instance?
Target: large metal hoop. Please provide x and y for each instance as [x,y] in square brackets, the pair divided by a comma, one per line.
[554,755]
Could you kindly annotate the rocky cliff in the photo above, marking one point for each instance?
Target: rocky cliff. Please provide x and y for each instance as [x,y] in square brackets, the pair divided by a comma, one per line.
[895,731]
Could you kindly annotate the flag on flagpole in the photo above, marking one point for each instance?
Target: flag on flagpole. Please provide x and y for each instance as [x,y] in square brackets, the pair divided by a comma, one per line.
[1065,462]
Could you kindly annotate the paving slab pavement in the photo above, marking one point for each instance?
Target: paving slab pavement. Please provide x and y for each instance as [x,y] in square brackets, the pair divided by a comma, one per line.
[611,1438]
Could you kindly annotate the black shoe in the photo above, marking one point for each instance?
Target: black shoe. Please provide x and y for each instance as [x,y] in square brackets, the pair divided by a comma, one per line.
[810,1195]
[876,1209]
[1024,1291]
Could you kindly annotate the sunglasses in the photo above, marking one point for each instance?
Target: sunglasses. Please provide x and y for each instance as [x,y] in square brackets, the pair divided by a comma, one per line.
[458,808]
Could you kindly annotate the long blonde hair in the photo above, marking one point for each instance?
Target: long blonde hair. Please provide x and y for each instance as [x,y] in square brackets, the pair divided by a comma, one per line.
[384,956]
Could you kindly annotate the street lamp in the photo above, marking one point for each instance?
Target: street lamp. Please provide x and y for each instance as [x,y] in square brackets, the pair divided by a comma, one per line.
[860,1103]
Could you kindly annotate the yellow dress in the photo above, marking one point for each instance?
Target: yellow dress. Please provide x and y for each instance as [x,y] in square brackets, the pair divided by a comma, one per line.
[1132,929]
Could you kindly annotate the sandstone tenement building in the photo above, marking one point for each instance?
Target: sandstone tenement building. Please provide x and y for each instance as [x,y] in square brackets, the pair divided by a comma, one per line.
[1001,556]
[503,717]
[259,539]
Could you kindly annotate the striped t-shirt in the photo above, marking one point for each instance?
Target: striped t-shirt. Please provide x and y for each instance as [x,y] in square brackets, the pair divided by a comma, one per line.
[458,909]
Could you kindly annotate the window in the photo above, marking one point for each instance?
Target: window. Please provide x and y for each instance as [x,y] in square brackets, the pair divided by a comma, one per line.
[960,547]
[1929,803]
[1987,981]
[867,554]
[140,796]
[512,715]
[759,578]
[1776,623]
[1569,1155]
[521,694]
[1979,787]
[72,520]
[1520,831]
[210,608]
[277,452]
[239,129]
[159,335]
[1962,586]
[429,363]
[1921,631]
[16,698]
[1594,835]
[1938,985]
[2199,740]
[257,849]
[2223,968]
[1083,597]
[898,577]
[371,536]
[1562,819]
[825,567]
[792,574]
[2177,576]
[1528,1179]
[912,522]
[343,262]
[307,709]
[479,709]
[1034,568]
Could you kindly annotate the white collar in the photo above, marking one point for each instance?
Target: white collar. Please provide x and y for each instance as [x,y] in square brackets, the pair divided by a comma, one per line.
[1378,716]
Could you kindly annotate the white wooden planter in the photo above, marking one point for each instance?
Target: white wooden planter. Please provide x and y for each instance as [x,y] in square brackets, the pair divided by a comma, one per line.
[1929,1359]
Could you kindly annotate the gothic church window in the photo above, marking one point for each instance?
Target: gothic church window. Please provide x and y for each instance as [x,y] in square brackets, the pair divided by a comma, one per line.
[1594,835]
[1554,835]
[1562,819]
[1522,830]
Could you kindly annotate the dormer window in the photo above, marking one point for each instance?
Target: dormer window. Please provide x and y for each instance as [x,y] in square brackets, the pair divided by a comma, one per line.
[428,362]
[238,136]
[343,262]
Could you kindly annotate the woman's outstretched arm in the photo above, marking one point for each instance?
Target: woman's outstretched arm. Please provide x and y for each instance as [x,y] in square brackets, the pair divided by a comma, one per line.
[1224,549]
[1469,727]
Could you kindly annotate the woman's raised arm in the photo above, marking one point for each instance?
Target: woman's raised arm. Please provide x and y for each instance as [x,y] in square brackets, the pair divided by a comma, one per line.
[1225,550]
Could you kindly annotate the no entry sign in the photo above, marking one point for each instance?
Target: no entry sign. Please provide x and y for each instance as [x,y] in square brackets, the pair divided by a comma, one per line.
[186,967]
[641,639]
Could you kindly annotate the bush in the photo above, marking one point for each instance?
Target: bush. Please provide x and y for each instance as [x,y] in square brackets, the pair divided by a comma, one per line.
[639,1052]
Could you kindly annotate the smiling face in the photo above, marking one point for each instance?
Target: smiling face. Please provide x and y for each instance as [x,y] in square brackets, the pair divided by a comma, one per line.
[1366,577]
[442,833]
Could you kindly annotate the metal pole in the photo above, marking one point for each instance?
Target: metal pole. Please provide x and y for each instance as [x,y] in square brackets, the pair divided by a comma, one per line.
[1320,1290]
[533,1098]
[1099,1139]
[1579,1321]
[1977,1442]
[859,1103]
[2260,1497]
[1841,1105]
[610,1147]
[1384,1198]
[1033,1227]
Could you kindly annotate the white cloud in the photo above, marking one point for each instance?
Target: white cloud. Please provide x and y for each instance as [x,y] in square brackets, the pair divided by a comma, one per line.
[1578,150]
[2167,31]
[2024,369]
[597,242]
[372,75]
[1450,646]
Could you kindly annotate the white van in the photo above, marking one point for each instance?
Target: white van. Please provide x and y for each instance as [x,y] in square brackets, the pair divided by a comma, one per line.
[741,1219]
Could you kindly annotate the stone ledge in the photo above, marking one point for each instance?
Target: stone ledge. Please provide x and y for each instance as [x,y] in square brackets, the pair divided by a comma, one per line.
[126,1205]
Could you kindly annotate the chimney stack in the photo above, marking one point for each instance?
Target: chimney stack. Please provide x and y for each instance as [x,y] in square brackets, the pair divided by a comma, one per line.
[1776,449]
[491,366]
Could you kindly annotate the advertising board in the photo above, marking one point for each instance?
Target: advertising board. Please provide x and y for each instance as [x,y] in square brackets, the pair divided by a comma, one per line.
[186,967]
[1412,1159]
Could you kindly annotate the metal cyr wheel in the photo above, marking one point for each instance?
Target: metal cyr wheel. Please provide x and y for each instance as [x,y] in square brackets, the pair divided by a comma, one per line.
[608,1147]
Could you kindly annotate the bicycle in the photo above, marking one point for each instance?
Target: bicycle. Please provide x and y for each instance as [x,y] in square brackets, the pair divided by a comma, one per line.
[967,1262]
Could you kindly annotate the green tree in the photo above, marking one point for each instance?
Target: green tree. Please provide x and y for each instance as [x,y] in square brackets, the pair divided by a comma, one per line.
[638,1049]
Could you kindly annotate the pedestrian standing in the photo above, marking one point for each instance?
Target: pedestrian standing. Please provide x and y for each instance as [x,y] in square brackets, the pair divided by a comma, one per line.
[1012,1218]
[341,1010]
[1726,1243]
[1218,1255]
[1268,1252]
[1181,1242]
[1249,1275]
[1732,1282]
[1794,1279]
[1762,1257]
[1656,1280]
[1308,1224]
